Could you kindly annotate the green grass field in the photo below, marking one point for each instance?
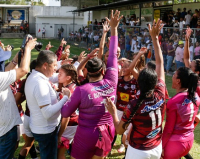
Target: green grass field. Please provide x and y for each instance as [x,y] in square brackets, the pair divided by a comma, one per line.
[75,51]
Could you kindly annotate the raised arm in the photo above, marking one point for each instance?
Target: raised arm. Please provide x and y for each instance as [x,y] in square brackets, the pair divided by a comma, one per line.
[132,66]
[186,48]
[84,62]
[112,65]
[154,31]
[106,28]
[59,51]
[25,62]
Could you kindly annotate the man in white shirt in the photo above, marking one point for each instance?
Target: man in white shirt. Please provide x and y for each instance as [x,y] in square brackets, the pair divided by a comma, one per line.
[188,18]
[9,114]
[44,107]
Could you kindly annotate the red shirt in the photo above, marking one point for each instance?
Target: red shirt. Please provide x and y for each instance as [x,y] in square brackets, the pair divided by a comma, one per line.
[126,90]
[15,87]
[147,122]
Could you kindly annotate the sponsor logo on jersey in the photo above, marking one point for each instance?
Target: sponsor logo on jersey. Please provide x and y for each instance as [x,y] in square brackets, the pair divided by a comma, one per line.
[100,87]
[186,101]
[124,97]
[153,133]
[148,108]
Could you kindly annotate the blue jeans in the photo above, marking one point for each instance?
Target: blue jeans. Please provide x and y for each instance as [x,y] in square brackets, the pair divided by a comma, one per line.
[169,62]
[123,53]
[165,61]
[8,144]
[179,64]
[48,144]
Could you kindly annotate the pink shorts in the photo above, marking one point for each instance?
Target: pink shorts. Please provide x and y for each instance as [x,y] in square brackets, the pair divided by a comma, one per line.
[64,144]
[177,149]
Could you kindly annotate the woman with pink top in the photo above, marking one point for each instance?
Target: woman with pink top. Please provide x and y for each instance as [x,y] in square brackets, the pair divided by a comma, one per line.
[95,130]
[197,51]
[178,133]
[181,109]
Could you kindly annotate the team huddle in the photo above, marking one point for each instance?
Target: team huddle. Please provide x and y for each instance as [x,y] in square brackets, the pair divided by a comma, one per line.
[79,105]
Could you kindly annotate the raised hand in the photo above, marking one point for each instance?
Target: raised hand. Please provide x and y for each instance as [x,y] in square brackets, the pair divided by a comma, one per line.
[93,53]
[63,42]
[155,29]
[114,19]
[49,46]
[8,48]
[81,57]
[143,50]
[106,27]
[188,33]
[31,44]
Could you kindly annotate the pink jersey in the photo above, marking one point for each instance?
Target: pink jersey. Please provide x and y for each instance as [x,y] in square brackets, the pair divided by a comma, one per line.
[181,113]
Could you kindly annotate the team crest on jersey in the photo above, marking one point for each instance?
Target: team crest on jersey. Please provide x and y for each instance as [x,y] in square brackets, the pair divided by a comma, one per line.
[186,101]
[148,108]
[153,133]
[132,87]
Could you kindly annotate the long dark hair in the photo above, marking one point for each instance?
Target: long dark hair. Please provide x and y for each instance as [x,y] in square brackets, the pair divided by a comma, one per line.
[70,70]
[197,65]
[188,80]
[147,81]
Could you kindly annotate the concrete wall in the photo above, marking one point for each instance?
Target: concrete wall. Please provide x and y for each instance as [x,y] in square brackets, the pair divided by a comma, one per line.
[99,15]
[52,18]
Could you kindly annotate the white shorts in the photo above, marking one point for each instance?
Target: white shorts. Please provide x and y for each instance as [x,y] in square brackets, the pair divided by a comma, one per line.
[119,114]
[144,154]
[27,129]
[20,129]
[69,133]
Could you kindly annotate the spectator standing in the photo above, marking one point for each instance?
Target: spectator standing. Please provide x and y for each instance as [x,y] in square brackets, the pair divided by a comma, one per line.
[170,55]
[197,51]
[184,13]
[44,107]
[9,114]
[43,33]
[188,18]
[179,55]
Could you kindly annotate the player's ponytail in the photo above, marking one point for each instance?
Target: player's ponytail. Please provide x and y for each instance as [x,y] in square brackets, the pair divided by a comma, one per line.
[193,80]
[147,81]
[188,80]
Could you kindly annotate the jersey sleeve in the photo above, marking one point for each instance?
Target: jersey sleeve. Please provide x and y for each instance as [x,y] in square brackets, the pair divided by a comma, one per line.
[170,122]
[112,64]
[161,87]
[59,53]
[72,104]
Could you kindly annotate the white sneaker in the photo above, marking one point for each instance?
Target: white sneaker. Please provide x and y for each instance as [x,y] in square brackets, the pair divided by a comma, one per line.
[121,148]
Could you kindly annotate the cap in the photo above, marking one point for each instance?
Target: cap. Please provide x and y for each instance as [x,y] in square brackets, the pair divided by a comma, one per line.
[4,55]
[180,42]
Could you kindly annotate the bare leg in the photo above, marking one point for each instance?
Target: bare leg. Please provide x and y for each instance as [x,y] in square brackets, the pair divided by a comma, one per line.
[61,153]
[27,146]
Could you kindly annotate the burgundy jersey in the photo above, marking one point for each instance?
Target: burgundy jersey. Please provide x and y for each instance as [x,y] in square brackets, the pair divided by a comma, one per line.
[74,117]
[147,122]
[126,90]
[15,87]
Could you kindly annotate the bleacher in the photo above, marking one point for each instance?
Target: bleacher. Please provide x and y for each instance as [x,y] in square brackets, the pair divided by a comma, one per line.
[11,30]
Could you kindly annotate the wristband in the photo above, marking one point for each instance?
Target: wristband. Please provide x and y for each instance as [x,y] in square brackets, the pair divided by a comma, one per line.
[15,63]
[89,56]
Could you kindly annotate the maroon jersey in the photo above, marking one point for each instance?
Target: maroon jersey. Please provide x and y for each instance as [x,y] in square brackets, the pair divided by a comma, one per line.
[15,87]
[126,90]
[74,117]
[147,122]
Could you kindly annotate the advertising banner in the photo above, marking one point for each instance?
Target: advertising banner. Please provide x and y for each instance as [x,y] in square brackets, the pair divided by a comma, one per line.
[16,14]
